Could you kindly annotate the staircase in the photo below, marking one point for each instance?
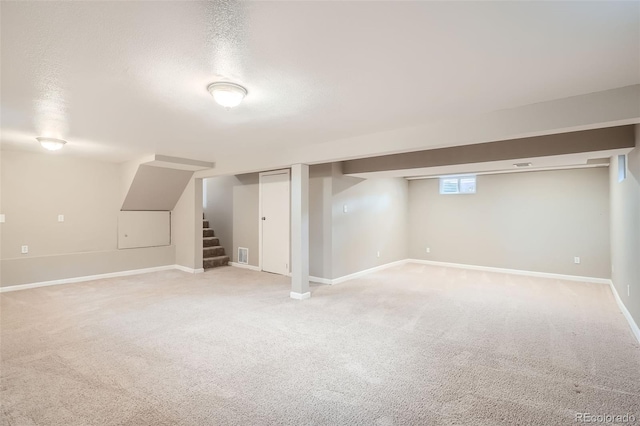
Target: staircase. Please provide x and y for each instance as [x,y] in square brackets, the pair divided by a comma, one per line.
[213,254]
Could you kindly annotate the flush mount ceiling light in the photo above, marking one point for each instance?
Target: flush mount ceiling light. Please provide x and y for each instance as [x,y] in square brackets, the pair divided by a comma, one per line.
[227,94]
[52,144]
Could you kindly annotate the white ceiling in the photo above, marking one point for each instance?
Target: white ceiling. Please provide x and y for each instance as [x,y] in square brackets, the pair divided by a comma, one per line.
[124,79]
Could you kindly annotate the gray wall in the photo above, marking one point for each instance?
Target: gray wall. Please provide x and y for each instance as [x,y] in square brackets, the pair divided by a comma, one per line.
[625,231]
[531,221]
[232,210]
[538,146]
[218,210]
[536,221]
[35,189]
[376,220]
[339,243]
[137,229]
[245,218]
[156,188]
[320,220]
[186,226]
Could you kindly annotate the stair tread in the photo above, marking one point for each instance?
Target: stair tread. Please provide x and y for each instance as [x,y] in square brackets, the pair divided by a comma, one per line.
[210,238]
[213,247]
[215,257]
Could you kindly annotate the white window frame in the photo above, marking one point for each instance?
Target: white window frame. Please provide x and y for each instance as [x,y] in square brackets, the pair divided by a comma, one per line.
[442,179]
[622,167]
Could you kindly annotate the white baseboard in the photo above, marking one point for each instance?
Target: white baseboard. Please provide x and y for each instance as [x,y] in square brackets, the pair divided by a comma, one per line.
[245,266]
[320,280]
[189,270]
[356,274]
[634,327]
[514,271]
[462,266]
[368,271]
[87,278]
[299,296]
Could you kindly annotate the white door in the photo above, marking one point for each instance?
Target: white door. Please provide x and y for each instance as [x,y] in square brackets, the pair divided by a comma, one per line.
[274,221]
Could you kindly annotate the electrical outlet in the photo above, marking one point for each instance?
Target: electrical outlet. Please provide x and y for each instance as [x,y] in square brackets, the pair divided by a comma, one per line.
[60,218]
[428,250]
[378,254]
[25,249]
[344,208]
[576,260]
[628,290]
[1,218]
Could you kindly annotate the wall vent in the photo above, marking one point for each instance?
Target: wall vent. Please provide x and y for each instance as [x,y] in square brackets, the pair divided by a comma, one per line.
[243,255]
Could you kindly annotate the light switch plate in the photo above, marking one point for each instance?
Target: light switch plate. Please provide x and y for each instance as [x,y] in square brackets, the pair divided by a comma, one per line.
[576,260]
[25,249]
[60,218]
[1,218]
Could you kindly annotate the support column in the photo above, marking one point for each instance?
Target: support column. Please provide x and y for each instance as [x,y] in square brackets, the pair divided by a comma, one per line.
[300,231]
[186,228]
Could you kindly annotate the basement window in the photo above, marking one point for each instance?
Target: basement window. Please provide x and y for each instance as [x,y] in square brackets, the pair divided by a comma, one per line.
[622,167]
[458,185]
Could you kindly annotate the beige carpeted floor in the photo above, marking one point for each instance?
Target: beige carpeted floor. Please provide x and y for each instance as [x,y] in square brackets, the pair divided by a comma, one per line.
[409,345]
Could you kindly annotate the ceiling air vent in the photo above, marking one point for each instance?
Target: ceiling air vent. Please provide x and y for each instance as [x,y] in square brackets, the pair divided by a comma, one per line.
[520,165]
[243,255]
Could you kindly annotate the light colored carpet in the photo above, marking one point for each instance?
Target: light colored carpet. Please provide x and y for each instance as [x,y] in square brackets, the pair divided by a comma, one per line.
[408,345]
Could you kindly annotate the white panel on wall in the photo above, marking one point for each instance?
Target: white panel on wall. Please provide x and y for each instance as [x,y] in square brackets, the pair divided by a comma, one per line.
[144,229]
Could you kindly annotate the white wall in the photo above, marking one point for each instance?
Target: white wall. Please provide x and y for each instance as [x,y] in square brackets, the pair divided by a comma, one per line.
[600,109]
[536,221]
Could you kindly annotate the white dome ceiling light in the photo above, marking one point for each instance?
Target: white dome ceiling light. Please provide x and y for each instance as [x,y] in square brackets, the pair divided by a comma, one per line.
[227,94]
[52,144]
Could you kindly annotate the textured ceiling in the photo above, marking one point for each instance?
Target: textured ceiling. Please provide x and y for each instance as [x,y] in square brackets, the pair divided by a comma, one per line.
[122,79]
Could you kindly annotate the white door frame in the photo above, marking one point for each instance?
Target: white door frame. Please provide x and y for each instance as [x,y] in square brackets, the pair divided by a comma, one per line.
[273,172]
